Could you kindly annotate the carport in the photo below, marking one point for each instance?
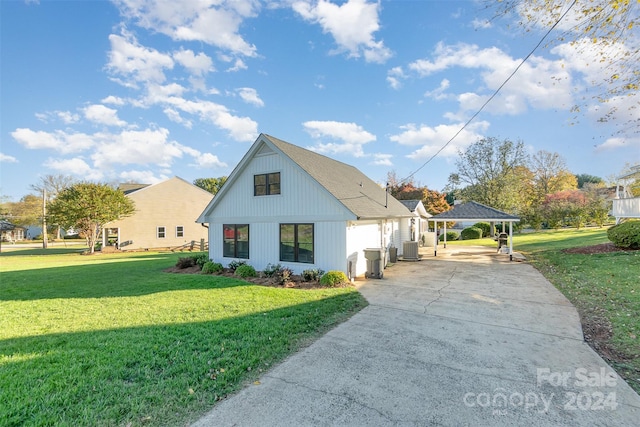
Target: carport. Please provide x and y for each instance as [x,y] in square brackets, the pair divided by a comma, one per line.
[473,212]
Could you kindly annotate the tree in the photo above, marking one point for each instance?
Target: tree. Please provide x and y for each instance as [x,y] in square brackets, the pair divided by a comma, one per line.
[551,173]
[212,185]
[87,207]
[51,185]
[603,27]
[27,211]
[487,172]
[570,206]
[434,202]
[585,178]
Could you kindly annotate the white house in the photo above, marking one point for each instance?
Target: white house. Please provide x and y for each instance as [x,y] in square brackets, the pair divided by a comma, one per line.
[418,225]
[283,204]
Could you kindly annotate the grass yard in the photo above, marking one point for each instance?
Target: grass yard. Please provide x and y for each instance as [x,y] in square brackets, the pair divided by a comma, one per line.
[604,287]
[113,340]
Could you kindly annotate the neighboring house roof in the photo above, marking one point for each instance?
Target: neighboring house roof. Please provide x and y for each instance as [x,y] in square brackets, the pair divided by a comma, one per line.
[473,211]
[417,207]
[127,188]
[358,193]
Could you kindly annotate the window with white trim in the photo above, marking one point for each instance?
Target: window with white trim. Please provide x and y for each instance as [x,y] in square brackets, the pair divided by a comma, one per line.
[179,231]
[161,232]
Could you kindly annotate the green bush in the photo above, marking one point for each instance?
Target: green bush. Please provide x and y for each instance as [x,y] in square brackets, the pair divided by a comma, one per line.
[185,262]
[333,278]
[233,265]
[312,274]
[451,235]
[485,227]
[211,267]
[471,233]
[201,259]
[625,235]
[272,269]
[245,270]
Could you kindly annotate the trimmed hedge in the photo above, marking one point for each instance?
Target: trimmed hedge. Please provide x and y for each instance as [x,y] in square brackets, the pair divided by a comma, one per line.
[625,235]
[246,270]
[451,235]
[211,267]
[485,227]
[471,233]
[333,278]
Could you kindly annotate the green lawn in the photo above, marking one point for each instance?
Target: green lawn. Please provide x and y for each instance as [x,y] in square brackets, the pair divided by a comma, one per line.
[604,288]
[112,340]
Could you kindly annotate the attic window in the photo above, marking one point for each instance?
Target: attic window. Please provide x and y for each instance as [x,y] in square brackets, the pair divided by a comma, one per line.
[266,184]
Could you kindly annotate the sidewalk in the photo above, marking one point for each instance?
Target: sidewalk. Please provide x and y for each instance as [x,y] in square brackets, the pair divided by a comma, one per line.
[467,338]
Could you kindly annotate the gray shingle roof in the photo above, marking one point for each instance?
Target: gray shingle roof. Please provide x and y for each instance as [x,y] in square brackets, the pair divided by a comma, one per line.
[352,188]
[474,211]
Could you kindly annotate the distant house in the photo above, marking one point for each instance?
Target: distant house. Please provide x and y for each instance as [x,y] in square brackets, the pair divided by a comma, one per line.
[418,225]
[165,216]
[283,204]
[625,206]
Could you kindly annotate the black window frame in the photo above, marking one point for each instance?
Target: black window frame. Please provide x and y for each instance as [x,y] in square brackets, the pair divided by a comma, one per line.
[297,245]
[239,251]
[271,185]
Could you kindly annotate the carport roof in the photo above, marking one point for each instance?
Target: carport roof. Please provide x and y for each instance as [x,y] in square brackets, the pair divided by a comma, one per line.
[473,211]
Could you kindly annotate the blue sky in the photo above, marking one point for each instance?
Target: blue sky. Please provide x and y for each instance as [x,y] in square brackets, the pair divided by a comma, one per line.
[140,90]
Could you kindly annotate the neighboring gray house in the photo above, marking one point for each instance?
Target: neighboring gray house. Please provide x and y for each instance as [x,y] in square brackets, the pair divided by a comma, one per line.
[283,204]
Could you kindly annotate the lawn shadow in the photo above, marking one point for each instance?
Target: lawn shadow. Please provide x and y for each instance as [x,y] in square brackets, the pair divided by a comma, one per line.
[40,251]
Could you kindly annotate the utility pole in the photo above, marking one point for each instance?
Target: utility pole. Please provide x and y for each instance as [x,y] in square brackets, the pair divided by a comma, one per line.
[44,219]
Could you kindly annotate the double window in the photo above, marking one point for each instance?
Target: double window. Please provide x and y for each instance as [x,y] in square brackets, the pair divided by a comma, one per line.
[161,232]
[266,184]
[296,243]
[235,241]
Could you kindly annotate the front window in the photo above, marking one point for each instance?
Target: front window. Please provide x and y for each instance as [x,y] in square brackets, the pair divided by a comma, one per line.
[235,241]
[161,232]
[179,231]
[296,243]
[266,184]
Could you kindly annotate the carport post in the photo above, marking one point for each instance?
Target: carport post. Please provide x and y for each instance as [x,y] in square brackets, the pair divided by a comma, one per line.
[445,234]
[435,238]
[510,240]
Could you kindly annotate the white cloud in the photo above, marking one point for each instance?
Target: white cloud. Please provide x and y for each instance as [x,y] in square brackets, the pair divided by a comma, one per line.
[250,96]
[431,139]
[395,76]
[5,158]
[113,100]
[238,65]
[440,92]
[100,114]
[137,147]
[619,142]
[352,135]
[540,83]
[60,141]
[141,177]
[197,64]
[175,117]
[208,161]
[136,63]
[382,159]
[352,25]
[481,24]
[213,22]
[66,117]
[75,166]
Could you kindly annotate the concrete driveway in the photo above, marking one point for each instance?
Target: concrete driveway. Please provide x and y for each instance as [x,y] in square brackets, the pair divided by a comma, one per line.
[467,338]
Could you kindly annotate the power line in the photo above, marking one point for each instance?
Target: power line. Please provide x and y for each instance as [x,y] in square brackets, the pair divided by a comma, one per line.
[495,93]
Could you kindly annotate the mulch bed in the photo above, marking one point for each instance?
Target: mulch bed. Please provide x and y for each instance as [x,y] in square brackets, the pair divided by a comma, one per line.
[296,281]
[596,249]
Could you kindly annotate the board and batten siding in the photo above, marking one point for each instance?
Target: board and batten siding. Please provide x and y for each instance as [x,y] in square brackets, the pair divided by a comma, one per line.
[301,200]
[264,246]
[300,197]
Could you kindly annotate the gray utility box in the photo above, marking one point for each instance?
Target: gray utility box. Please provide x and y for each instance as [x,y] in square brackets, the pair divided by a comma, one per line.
[375,262]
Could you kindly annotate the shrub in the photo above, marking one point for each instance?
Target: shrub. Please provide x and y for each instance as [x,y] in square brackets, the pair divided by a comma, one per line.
[451,235]
[200,259]
[333,278]
[485,227]
[185,262]
[211,267]
[312,274]
[625,235]
[284,275]
[272,269]
[245,270]
[471,233]
[233,265]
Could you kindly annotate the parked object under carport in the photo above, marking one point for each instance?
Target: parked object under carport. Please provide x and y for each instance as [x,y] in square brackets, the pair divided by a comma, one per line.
[375,264]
